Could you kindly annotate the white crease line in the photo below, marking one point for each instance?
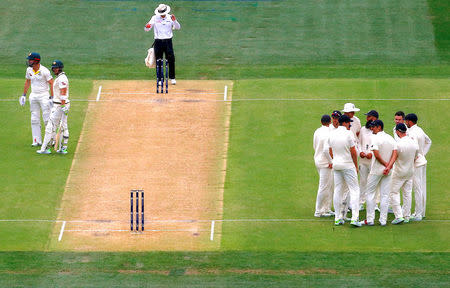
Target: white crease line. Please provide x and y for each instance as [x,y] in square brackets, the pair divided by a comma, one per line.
[126,230]
[241,100]
[62,231]
[99,92]
[211,237]
[225,91]
[153,93]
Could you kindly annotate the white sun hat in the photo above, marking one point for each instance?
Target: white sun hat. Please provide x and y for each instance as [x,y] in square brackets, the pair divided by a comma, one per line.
[162,9]
[350,107]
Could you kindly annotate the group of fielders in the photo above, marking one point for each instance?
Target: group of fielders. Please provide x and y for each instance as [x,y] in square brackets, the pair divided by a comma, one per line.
[386,165]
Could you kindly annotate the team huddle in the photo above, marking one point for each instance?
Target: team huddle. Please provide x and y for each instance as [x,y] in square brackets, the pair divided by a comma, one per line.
[386,166]
[52,98]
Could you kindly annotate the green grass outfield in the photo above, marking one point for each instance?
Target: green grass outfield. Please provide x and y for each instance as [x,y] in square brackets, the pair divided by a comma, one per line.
[277,51]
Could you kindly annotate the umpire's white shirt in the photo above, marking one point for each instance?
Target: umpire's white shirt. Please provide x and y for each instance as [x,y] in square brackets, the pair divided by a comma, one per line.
[39,80]
[404,165]
[418,135]
[319,141]
[341,141]
[385,145]
[355,126]
[60,82]
[162,27]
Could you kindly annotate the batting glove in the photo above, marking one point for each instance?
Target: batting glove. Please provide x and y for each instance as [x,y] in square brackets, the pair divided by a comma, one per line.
[22,100]
[65,109]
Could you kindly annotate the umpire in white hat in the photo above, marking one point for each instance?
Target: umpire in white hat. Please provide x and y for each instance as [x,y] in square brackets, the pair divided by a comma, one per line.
[163,24]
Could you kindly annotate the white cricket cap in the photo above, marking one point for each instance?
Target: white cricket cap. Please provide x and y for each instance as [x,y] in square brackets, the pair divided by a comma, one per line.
[162,9]
[350,107]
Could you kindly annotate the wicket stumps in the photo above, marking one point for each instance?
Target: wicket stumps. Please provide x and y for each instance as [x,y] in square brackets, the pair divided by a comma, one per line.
[139,194]
[160,77]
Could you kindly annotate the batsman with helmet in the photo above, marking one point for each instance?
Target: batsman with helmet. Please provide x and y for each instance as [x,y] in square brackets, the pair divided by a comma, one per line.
[58,116]
[39,78]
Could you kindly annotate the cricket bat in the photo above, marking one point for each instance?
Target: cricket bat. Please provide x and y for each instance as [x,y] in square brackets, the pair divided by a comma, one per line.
[58,137]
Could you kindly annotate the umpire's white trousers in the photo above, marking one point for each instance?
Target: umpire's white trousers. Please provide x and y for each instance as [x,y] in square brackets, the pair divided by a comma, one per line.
[325,190]
[343,178]
[384,181]
[420,190]
[405,184]
[363,175]
[39,102]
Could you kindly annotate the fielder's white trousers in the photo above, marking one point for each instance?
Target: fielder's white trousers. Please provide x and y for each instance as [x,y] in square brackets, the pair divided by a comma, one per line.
[342,180]
[405,184]
[420,190]
[384,182]
[363,175]
[325,190]
[39,102]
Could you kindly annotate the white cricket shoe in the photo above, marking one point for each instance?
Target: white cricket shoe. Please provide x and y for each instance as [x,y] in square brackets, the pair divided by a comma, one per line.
[46,151]
[367,223]
[36,144]
[62,151]
[173,81]
[355,223]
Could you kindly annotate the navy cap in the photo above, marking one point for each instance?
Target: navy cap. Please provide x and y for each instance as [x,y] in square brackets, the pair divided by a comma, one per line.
[344,119]
[325,119]
[336,114]
[372,113]
[400,127]
[377,123]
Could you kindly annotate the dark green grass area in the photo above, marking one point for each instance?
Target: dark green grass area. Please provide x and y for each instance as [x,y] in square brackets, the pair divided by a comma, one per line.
[439,14]
[32,184]
[229,39]
[223,269]
[271,172]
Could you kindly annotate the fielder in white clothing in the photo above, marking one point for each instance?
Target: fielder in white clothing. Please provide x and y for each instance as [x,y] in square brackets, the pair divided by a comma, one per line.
[384,149]
[345,169]
[399,117]
[420,173]
[324,168]
[41,82]
[403,171]
[61,106]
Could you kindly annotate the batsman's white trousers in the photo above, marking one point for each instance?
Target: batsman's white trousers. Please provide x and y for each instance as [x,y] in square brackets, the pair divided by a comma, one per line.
[384,182]
[405,184]
[39,102]
[363,175]
[343,178]
[325,190]
[420,190]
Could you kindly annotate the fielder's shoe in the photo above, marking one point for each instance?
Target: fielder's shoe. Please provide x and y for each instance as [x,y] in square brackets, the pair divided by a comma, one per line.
[355,223]
[397,221]
[416,218]
[327,214]
[331,212]
[46,151]
[62,151]
[383,224]
[339,222]
[347,219]
[36,144]
[173,81]
[317,215]
[406,220]
[367,223]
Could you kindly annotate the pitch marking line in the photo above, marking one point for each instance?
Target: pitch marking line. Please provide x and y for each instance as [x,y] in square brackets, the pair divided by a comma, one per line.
[99,93]
[62,231]
[211,237]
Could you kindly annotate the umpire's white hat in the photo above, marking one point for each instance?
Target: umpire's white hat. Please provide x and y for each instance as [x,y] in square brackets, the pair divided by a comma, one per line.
[162,9]
[350,107]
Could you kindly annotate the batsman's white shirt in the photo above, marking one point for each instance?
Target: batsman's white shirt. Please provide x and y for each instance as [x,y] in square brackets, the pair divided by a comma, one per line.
[162,27]
[340,141]
[418,135]
[39,80]
[60,82]
[404,165]
[319,141]
[385,145]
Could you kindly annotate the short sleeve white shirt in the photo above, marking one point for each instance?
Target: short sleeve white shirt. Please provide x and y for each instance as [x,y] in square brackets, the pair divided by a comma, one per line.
[39,79]
[404,165]
[162,27]
[60,82]
[385,144]
[365,142]
[418,135]
[319,142]
[340,142]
